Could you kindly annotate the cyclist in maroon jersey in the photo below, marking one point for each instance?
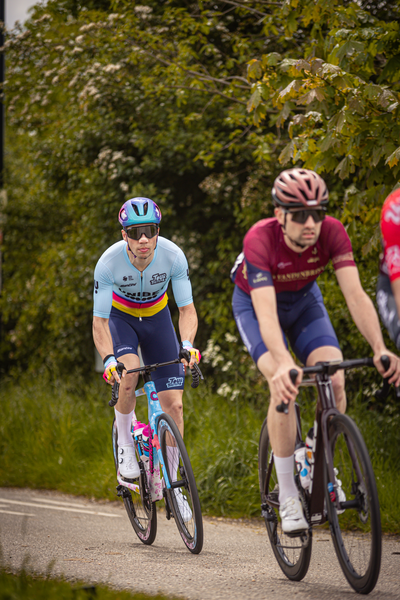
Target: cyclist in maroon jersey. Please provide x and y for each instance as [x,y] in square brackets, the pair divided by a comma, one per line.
[276,298]
[388,288]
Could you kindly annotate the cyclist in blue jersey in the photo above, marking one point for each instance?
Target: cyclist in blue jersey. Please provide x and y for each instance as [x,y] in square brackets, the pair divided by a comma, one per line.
[130,308]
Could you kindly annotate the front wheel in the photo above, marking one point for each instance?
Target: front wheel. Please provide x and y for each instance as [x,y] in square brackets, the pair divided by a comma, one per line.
[182,496]
[139,506]
[293,554]
[356,527]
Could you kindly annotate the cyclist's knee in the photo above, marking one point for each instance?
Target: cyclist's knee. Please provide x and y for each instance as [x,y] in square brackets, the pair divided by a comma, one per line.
[129,383]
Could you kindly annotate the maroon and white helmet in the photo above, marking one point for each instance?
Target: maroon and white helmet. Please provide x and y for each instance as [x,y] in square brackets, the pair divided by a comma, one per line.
[296,188]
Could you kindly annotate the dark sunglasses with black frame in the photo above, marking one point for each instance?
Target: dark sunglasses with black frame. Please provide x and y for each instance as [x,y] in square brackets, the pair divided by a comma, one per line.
[301,216]
[135,233]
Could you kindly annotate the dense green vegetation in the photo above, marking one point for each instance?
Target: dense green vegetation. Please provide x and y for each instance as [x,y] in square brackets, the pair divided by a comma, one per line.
[197,105]
[62,438]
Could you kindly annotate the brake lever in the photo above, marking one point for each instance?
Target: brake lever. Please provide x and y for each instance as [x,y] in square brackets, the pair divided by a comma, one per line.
[115,387]
[196,375]
[383,393]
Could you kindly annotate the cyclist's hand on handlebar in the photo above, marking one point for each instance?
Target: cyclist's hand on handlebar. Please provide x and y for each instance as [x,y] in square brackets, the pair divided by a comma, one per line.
[283,388]
[110,374]
[189,355]
[393,371]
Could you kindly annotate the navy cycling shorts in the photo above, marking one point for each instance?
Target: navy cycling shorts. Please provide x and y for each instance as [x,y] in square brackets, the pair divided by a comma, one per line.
[158,343]
[303,318]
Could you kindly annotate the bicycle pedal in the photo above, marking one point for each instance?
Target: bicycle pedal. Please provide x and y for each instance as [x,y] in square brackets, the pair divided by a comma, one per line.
[168,511]
[122,491]
[267,513]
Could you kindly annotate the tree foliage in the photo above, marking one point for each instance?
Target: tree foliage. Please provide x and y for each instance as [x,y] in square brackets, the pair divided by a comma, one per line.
[198,105]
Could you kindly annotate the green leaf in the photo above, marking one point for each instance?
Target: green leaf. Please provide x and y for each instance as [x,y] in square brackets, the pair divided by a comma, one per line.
[391,71]
[254,69]
[394,158]
[287,153]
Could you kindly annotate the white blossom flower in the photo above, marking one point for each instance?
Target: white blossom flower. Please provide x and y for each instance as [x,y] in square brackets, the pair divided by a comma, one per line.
[88,27]
[231,339]
[143,9]
[76,50]
[234,395]
[224,390]
[111,68]
[227,366]
[79,39]
[124,186]
[212,353]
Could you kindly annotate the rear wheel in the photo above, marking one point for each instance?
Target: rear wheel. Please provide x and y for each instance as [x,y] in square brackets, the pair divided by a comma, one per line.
[292,553]
[141,510]
[183,497]
[356,532]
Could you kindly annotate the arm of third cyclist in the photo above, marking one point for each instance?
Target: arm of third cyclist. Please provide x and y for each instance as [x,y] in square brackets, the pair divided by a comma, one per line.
[277,363]
[366,319]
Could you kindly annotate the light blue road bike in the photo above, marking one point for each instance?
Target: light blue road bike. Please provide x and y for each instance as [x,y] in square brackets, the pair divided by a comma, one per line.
[165,468]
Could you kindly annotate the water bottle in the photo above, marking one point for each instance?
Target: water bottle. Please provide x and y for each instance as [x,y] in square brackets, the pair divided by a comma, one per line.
[141,435]
[302,465]
[309,445]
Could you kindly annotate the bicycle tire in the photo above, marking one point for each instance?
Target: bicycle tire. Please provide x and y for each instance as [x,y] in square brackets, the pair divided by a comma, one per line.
[293,554]
[359,549]
[190,525]
[139,507]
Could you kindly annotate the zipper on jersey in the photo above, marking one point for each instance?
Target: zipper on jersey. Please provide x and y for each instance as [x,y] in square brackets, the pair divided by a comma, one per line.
[141,290]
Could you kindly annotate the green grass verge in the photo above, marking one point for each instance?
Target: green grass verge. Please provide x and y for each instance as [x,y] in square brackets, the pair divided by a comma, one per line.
[25,586]
[54,437]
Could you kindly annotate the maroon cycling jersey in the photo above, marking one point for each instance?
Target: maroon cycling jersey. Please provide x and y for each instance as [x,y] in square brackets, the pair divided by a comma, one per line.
[267,260]
[390,228]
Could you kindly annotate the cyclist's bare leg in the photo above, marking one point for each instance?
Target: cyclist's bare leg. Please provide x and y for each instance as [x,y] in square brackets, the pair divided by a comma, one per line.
[127,399]
[325,353]
[171,403]
[281,427]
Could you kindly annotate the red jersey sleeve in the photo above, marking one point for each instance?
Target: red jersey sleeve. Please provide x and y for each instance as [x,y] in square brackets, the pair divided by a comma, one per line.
[337,243]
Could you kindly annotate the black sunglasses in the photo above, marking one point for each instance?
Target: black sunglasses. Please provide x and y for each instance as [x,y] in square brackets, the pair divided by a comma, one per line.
[135,233]
[301,216]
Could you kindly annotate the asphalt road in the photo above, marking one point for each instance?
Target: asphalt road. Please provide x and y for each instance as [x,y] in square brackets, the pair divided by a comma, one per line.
[94,541]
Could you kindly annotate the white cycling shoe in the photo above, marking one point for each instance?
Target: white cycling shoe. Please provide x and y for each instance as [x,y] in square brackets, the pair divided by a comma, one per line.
[292,516]
[339,491]
[128,465]
[183,506]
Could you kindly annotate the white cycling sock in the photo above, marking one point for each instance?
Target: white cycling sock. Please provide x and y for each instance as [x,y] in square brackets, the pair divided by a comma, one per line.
[285,471]
[173,459]
[124,423]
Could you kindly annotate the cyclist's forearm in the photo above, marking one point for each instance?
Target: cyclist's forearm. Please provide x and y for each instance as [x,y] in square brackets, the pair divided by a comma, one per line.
[102,337]
[187,323]
[396,293]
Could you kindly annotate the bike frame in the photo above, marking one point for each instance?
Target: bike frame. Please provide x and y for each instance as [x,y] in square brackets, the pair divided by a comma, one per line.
[325,410]
[154,413]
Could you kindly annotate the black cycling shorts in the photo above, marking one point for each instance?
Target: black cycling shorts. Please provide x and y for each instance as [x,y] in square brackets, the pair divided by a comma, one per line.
[388,308]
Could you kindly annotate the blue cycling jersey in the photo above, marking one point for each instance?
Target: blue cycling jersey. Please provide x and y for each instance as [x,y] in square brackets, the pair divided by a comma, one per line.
[118,284]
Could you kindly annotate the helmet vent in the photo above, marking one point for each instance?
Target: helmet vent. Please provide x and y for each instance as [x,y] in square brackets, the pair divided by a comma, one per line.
[135,208]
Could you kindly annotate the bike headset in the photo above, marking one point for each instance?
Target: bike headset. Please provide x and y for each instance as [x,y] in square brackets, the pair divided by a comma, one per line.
[299,188]
[138,211]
